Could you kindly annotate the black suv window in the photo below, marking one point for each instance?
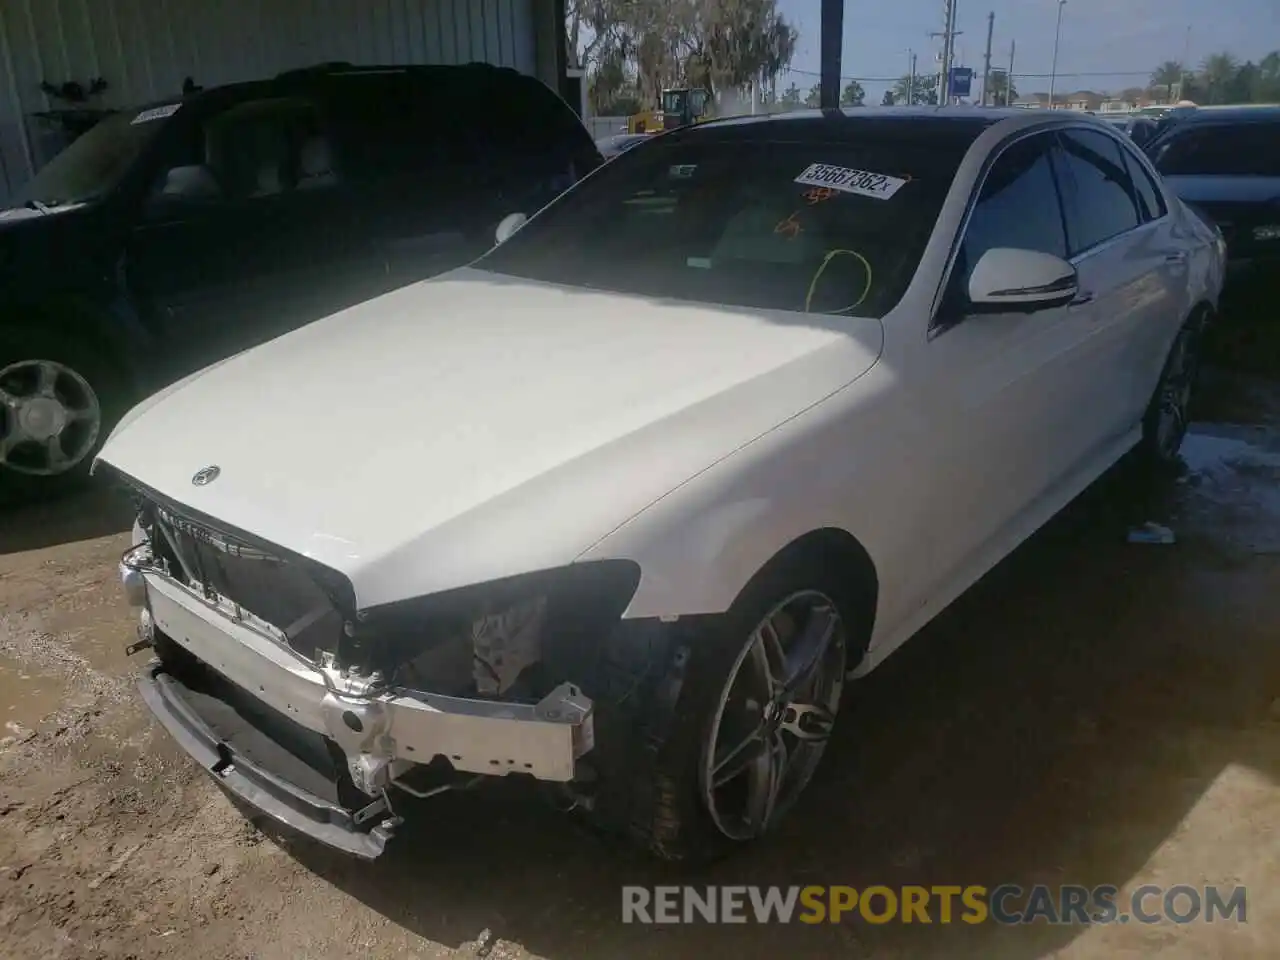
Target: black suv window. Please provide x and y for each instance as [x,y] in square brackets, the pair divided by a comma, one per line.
[1098,196]
[1150,201]
[1221,150]
[387,129]
[268,147]
[520,134]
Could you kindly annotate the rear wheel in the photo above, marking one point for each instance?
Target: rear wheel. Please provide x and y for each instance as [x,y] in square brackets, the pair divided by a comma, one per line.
[57,402]
[1169,414]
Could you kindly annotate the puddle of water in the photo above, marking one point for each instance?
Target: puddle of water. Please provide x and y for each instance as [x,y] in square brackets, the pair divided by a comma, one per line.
[26,697]
[1233,485]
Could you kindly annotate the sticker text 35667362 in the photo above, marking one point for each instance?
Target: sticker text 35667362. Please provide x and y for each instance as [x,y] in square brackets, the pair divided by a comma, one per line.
[862,182]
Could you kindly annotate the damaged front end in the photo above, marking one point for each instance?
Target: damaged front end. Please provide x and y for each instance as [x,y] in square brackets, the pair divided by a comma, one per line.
[316,712]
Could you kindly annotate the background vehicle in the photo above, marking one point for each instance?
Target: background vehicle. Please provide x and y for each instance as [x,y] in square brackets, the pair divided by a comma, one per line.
[1226,162]
[619,143]
[681,106]
[169,237]
[798,385]
[1139,129]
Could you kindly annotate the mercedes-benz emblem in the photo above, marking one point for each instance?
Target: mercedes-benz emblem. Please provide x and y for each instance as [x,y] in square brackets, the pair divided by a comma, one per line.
[206,475]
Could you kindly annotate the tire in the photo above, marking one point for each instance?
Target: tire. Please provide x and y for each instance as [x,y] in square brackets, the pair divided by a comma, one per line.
[79,402]
[1164,425]
[655,739]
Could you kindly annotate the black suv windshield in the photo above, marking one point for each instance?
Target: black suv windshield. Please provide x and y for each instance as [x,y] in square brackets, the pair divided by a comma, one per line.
[824,227]
[94,163]
[1221,150]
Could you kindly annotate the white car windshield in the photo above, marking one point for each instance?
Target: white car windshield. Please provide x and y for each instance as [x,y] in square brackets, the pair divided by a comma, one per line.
[813,226]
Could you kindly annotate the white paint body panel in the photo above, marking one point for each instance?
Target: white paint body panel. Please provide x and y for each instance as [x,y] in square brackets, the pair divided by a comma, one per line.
[475,427]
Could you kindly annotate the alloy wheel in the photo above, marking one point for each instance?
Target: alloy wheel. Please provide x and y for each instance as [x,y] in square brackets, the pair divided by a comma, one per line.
[1173,404]
[50,418]
[775,715]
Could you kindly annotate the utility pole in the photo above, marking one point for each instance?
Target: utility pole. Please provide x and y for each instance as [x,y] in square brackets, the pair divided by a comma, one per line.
[986,59]
[1053,70]
[831,40]
[911,79]
[948,35]
[1182,75]
[1008,77]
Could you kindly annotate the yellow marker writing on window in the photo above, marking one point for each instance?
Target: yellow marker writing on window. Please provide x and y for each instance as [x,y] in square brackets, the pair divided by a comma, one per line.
[817,275]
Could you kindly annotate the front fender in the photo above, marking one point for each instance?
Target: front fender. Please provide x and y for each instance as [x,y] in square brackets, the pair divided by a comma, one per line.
[700,545]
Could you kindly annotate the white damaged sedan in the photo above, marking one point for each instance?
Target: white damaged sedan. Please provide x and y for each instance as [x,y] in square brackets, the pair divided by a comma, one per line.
[621,506]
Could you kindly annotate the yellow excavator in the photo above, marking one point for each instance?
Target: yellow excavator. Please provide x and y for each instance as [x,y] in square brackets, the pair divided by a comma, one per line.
[680,107]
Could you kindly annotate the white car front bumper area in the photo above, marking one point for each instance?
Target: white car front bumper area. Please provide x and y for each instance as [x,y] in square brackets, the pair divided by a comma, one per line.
[382,734]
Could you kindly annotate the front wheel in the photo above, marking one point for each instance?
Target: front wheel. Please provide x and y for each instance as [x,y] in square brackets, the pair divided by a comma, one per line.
[723,753]
[57,402]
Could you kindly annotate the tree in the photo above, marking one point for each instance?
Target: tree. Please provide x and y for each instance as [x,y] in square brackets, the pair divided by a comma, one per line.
[923,91]
[1217,73]
[814,97]
[1267,88]
[853,95]
[791,97]
[1168,75]
[888,99]
[1003,92]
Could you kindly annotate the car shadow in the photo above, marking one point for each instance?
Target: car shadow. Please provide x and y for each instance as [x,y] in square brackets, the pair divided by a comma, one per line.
[98,511]
[1055,725]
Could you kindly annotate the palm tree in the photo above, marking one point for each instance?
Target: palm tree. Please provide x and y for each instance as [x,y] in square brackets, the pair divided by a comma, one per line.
[1217,71]
[1166,75]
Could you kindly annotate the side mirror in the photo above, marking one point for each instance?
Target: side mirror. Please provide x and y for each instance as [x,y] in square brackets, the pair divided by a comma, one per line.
[191,184]
[509,225]
[1021,281]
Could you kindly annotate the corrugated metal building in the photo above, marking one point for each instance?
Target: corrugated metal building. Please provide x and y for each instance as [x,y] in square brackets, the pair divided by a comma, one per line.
[145,49]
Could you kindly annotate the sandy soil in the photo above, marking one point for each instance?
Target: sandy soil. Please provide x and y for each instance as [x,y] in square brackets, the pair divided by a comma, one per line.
[1094,712]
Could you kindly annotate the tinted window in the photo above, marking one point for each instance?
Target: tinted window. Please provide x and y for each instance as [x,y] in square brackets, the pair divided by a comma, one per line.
[730,222]
[1098,191]
[1236,150]
[267,147]
[387,132]
[1150,202]
[1018,205]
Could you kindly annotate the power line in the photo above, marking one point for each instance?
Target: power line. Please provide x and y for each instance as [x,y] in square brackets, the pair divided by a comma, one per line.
[1016,76]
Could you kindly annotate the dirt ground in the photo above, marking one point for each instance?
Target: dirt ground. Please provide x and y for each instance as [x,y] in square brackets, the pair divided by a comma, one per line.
[1094,712]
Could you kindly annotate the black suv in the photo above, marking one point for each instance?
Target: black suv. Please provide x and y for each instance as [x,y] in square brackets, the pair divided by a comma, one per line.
[171,236]
[1226,162]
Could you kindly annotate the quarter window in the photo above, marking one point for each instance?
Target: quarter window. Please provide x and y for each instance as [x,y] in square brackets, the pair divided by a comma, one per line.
[1099,196]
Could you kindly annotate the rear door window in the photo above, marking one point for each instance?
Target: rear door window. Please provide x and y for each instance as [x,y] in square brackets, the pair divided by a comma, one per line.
[1098,191]
[1151,203]
[388,132]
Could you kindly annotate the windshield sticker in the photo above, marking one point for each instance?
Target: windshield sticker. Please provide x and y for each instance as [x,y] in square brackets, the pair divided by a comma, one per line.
[861,182]
[683,171]
[157,113]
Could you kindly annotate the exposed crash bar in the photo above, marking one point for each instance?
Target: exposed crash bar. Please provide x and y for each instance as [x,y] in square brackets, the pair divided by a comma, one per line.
[381,733]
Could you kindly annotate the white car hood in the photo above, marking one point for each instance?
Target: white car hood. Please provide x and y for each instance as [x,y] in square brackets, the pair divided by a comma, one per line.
[478,426]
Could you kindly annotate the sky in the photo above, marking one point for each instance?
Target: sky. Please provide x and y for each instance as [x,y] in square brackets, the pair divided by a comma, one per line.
[1107,44]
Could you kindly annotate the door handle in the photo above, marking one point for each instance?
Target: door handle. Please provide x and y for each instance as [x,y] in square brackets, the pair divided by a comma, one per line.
[1179,257]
